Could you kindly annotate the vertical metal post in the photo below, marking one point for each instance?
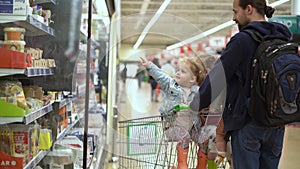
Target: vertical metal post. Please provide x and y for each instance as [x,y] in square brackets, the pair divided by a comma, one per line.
[87,89]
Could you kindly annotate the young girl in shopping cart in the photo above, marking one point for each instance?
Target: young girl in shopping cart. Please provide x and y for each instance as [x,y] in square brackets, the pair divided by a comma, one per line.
[180,90]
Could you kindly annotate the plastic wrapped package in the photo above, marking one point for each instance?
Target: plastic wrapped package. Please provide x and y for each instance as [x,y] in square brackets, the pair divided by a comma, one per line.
[13,89]
[22,141]
[45,139]
[60,156]
[91,140]
[76,145]
[96,117]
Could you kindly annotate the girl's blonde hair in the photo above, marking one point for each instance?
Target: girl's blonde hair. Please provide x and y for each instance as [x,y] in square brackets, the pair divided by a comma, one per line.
[197,67]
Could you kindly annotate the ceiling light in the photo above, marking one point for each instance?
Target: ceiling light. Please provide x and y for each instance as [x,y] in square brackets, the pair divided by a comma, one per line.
[142,12]
[151,23]
[201,35]
[277,3]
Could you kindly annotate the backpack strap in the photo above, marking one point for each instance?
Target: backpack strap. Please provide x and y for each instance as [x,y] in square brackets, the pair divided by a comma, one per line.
[255,35]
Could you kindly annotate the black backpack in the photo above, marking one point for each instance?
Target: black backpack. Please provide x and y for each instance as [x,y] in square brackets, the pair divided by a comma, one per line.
[275,84]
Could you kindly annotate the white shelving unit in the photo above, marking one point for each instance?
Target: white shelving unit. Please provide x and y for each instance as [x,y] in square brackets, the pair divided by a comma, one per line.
[29,72]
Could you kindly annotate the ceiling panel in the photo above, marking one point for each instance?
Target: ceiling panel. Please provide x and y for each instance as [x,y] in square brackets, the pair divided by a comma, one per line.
[182,19]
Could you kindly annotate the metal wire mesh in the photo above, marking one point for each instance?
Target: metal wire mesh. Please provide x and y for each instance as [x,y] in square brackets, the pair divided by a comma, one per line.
[142,144]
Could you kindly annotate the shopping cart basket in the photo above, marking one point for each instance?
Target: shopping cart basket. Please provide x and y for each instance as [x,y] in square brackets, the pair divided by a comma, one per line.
[143,144]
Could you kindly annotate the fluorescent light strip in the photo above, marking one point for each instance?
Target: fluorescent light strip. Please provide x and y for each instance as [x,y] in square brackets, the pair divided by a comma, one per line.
[142,12]
[144,6]
[213,30]
[151,23]
[277,3]
[201,35]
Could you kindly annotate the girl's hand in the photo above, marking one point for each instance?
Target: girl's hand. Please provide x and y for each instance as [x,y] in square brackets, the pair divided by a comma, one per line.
[145,63]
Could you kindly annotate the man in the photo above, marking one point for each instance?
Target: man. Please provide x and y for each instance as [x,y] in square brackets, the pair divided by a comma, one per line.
[124,74]
[253,146]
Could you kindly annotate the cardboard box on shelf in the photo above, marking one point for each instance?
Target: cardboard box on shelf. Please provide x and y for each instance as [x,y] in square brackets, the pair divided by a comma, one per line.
[63,123]
[35,52]
[13,59]
[33,92]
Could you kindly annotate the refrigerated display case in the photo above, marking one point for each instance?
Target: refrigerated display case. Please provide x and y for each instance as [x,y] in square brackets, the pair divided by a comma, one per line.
[53,87]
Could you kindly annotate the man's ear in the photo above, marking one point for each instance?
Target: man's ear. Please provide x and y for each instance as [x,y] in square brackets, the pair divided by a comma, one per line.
[249,9]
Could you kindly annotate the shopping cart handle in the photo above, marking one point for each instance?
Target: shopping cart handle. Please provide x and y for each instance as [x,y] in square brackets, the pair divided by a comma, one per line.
[179,107]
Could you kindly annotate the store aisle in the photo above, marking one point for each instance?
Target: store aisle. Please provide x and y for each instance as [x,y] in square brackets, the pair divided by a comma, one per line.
[291,149]
[136,102]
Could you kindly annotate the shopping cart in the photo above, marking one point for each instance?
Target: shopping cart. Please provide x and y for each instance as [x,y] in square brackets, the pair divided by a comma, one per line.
[143,144]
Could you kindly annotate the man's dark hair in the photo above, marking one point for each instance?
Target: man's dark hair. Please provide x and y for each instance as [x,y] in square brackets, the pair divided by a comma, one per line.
[260,6]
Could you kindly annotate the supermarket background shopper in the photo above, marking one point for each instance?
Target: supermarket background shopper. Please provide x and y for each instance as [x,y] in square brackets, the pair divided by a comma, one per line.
[124,74]
[140,74]
[253,146]
[179,90]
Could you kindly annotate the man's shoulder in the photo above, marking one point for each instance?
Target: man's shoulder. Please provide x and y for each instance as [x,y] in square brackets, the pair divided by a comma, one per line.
[267,28]
[241,38]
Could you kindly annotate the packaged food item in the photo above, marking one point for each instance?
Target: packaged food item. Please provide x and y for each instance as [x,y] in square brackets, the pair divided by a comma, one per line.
[6,141]
[12,90]
[33,92]
[14,59]
[14,34]
[14,45]
[45,139]
[63,115]
[51,63]
[23,144]
[22,141]
[10,162]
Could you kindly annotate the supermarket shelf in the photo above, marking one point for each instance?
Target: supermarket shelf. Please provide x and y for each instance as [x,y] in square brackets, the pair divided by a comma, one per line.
[38,113]
[45,2]
[36,159]
[100,154]
[29,72]
[7,20]
[7,120]
[66,101]
[64,132]
[35,114]
[32,25]
[27,119]
[6,72]
[43,153]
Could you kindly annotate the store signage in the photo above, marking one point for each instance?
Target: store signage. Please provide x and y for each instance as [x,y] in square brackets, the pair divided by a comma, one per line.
[217,41]
[9,162]
[292,22]
[14,7]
